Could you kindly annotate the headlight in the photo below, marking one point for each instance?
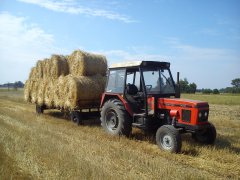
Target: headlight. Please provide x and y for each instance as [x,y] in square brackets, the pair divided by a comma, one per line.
[200,115]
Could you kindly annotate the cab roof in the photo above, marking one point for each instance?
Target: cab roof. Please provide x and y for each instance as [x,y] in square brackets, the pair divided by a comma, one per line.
[132,64]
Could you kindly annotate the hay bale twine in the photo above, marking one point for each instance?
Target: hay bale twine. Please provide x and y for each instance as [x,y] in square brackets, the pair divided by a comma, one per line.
[85,64]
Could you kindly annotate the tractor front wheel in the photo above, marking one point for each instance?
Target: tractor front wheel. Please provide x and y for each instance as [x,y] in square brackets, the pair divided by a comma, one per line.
[169,139]
[206,136]
[115,120]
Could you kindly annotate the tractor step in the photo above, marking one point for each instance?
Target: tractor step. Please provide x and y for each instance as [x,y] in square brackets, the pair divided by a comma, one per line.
[138,125]
[139,115]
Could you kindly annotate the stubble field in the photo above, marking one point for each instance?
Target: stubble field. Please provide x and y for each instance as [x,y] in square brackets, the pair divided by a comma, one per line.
[50,146]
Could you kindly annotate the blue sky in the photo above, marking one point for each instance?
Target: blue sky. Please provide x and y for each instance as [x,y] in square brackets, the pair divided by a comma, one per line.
[201,39]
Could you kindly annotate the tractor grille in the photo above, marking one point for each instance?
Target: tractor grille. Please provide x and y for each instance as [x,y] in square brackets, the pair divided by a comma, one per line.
[204,116]
[186,115]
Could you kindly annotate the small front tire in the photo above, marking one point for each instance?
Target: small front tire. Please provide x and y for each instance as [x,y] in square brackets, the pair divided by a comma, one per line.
[169,139]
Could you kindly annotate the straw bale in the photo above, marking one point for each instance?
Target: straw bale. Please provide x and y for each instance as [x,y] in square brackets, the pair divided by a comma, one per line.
[85,64]
[33,73]
[39,69]
[83,91]
[59,96]
[58,66]
[27,91]
[34,90]
[41,91]
[48,95]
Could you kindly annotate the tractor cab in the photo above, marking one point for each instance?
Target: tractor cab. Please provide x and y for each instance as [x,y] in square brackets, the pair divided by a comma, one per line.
[139,82]
[143,94]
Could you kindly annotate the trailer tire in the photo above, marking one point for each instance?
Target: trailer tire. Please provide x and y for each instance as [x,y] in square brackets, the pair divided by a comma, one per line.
[168,138]
[76,117]
[39,109]
[207,136]
[115,120]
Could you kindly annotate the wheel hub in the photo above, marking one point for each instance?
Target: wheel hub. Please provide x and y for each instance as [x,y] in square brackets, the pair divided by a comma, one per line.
[111,120]
[166,142]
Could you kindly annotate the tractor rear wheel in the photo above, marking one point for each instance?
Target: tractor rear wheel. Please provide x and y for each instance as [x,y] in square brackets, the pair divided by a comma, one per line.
[206,136]
[169,139]
[115,119]
[39,109]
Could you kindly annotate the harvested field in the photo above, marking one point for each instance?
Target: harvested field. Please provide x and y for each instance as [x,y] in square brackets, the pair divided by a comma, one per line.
[51,147]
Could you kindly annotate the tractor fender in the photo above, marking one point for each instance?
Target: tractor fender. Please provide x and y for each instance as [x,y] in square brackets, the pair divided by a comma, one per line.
[107,96]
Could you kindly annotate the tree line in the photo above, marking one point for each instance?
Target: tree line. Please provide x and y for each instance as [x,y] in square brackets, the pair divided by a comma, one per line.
[186,87]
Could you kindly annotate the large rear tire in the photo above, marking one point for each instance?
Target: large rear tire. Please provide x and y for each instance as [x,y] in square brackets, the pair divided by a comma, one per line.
[115,120]
[169,139]
[206,136]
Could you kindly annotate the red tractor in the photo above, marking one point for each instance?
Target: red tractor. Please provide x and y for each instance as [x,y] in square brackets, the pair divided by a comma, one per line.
[143,94]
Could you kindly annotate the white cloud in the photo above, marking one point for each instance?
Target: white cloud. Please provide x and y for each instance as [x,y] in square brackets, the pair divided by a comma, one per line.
[21,45]
[72,7]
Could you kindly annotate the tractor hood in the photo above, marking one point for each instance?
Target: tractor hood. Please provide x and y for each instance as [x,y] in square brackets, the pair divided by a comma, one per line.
[176,102]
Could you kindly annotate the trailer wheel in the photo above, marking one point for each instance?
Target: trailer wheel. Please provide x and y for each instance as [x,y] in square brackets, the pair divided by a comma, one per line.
[115,119]
[39,109]
[169,139]
[76,117]
[207,136]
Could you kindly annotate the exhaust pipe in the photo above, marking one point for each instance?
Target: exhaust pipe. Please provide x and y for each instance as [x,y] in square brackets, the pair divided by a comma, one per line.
[177,89]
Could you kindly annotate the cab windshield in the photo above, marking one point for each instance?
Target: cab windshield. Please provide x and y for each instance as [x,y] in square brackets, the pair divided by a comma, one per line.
[158,81]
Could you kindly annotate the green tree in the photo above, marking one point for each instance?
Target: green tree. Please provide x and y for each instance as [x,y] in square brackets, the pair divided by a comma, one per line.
[192,88]
[216,91]
[183,85]
[236,82]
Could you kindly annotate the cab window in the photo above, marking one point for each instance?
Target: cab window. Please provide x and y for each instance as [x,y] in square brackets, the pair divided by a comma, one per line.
[116,81]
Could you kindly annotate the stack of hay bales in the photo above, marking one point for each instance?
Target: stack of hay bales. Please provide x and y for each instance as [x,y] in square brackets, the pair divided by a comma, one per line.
[71,82]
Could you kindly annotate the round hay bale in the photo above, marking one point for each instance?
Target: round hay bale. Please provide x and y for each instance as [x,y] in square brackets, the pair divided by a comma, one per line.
[85,64]
[58,66]
[34,91]
[39,69]
[41,91]
[27,91]
[33,73]
[46,68]
[59,98]
[49,91]
[83,91]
